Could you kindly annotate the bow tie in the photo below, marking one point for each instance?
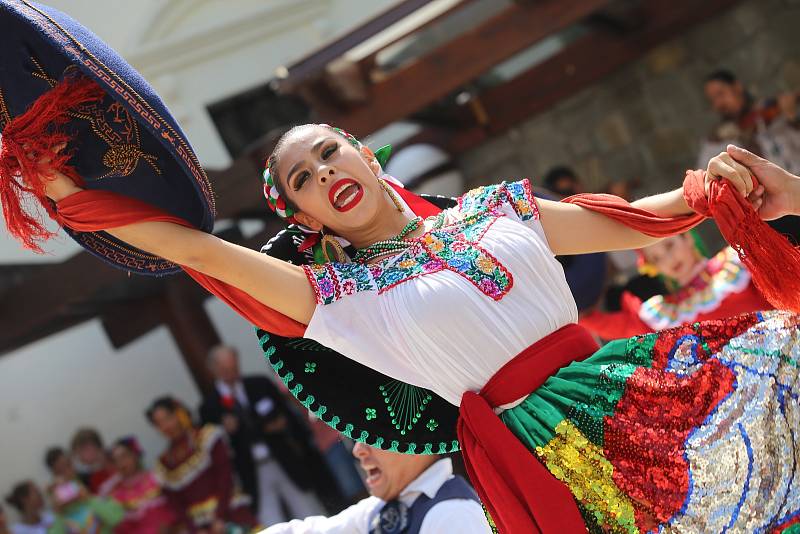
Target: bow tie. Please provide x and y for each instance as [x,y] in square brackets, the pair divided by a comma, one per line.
[393,519]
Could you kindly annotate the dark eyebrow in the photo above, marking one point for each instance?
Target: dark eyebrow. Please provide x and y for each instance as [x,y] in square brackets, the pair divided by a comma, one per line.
[314,148]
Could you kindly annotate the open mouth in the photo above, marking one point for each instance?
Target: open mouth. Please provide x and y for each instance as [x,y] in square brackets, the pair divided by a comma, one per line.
[345,194]
[373,476]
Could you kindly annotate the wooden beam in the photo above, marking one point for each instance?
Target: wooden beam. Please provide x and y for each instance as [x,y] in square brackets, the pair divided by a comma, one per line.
[30,310]
[314,63]
[461,60]
[193,331]
[580,65]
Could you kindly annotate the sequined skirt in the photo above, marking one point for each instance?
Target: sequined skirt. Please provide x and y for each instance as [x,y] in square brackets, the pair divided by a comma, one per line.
[692,429]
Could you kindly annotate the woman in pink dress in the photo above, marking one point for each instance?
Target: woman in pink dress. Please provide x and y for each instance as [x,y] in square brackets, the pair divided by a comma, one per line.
[146,509]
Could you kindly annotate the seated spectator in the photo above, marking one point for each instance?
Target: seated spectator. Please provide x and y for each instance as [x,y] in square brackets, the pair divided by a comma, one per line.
[3,522]
[92,460]
[272,451]
[138,491]
[195,472]
[768,127]
[76,509]
[411,494]
[26,498]
[563,182]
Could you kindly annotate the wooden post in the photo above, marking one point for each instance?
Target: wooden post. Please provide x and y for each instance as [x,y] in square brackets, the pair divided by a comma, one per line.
[192,329]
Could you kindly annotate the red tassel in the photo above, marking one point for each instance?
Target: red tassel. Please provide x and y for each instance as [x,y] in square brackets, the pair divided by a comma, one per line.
[771,259]
[27,140]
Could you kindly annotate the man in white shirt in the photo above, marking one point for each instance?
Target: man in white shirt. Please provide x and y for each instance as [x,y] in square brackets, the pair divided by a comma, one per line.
[410,495]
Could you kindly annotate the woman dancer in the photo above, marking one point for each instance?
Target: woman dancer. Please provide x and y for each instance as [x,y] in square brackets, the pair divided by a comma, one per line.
[138,490]
[699,289]
[472,301]
[195,472]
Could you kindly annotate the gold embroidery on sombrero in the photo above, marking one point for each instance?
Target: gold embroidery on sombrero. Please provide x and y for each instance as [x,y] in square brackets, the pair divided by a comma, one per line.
[124,141]
[5,116]
[132,259]
[41,73]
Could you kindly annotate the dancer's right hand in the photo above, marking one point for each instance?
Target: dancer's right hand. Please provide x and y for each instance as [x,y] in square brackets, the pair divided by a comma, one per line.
[781,188]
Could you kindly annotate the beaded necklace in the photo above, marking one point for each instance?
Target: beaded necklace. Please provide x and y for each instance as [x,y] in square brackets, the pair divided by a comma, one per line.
[386,246]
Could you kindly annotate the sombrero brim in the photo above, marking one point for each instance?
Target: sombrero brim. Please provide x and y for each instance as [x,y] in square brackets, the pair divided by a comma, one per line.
[128,143]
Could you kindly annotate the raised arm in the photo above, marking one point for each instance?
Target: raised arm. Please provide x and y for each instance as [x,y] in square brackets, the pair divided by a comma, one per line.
[275,283]
[571,229]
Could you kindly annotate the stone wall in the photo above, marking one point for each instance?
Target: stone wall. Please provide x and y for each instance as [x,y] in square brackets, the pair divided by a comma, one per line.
[647,119]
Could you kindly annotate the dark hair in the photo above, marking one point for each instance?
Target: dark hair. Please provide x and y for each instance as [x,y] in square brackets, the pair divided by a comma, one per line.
[166,402]
[19,493]
[86,436]
[52,455]
[556,173]
[129,443]
[273,162]
[722,75]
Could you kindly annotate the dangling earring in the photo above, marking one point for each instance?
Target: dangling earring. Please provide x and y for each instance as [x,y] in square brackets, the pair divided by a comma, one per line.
[333,250]
[389,191]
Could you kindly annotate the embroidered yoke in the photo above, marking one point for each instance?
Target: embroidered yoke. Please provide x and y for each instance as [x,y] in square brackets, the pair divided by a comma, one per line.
[487,258]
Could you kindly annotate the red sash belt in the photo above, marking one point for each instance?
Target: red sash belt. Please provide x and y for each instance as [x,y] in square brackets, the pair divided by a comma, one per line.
[518,491]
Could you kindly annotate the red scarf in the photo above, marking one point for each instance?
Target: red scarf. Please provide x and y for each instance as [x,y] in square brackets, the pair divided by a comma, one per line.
[518,491]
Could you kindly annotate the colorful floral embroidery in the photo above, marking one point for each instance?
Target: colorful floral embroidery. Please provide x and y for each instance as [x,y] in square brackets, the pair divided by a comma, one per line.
[451,247]
[432,425]
[490,197]
[311,367]
[371,413]
[331,281]
[724,275]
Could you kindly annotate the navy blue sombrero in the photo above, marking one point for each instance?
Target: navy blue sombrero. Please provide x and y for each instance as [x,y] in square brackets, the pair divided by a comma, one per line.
[125,141]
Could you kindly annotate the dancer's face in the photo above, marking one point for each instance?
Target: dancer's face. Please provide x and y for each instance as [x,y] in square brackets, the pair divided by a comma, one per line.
[333,184]
[675,257]
[168,423]
[125,461]
[63,468]
[388,473]
[33,501]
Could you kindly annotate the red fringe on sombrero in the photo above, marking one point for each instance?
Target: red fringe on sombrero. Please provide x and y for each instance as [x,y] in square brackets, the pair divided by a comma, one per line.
[27,151]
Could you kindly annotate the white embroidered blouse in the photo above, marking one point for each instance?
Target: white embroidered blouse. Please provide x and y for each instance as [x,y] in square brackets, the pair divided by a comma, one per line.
[447,313]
